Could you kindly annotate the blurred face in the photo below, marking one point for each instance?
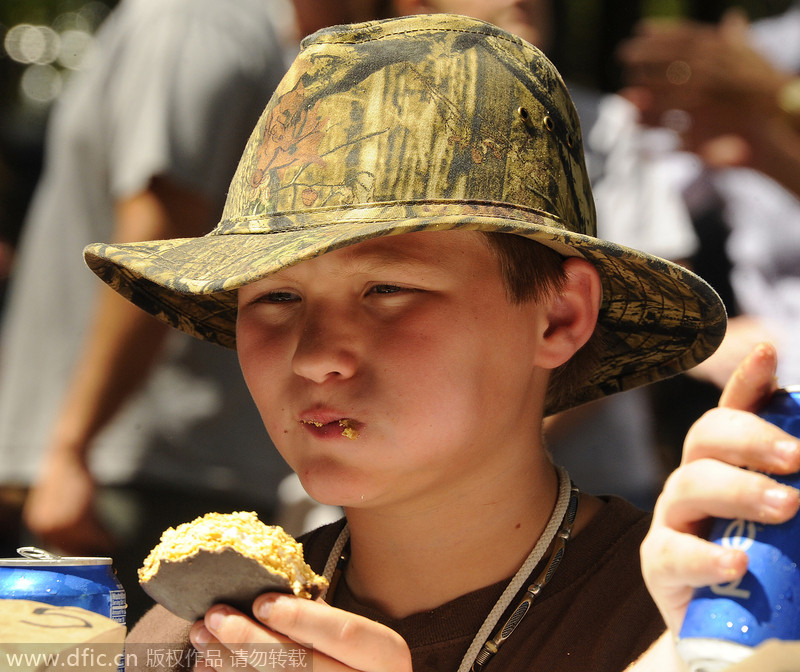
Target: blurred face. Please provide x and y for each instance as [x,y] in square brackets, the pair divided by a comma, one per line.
[529,19]
[312,15]
[394,369]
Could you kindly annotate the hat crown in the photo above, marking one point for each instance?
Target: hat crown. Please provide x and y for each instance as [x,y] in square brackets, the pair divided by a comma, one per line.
[437,109]
[421,124]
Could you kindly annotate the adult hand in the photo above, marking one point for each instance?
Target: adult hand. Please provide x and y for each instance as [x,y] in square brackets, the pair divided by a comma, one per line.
[711,481]
[60,508]
[337,640]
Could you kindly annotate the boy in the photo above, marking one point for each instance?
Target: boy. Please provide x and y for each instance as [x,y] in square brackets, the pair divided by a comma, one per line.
[407,268]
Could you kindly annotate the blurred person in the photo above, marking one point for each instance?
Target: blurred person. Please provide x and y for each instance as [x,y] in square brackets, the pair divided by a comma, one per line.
[532,20]
[7,234]
[120,428]
[732,93]
[635,207]
[740,101]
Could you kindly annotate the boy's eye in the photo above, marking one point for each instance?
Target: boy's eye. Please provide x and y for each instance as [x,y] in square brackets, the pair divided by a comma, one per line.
[278,297]
[386,289]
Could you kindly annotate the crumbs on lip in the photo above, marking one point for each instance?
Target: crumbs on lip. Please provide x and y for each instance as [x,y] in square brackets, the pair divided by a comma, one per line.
[348,429]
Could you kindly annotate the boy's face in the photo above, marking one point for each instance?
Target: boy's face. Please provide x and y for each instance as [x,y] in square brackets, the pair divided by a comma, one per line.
[411,344]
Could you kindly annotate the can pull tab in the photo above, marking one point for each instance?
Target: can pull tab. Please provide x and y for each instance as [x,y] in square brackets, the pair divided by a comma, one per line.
[33,553]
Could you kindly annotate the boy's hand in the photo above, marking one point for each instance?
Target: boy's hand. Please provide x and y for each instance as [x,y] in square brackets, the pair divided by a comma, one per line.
[337,640]
[710,482]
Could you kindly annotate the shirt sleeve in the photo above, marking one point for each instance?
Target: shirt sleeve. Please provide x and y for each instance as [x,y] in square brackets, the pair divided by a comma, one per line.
[638,204]
[185,87]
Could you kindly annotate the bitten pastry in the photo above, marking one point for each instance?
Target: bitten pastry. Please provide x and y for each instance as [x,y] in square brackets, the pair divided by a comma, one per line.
[225,558]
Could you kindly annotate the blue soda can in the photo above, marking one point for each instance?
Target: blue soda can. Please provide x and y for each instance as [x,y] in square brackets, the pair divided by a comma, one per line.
[89,583]
[724,622]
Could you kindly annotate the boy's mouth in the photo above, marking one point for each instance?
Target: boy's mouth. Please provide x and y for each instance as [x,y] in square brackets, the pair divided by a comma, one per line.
[349,427]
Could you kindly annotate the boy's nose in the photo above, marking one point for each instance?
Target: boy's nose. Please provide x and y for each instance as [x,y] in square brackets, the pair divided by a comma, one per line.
[326,349]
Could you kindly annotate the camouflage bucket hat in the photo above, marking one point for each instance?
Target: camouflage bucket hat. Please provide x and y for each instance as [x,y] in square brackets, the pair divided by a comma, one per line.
[424,123]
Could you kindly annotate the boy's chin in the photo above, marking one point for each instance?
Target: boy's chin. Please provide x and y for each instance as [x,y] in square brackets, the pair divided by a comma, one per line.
[333,489]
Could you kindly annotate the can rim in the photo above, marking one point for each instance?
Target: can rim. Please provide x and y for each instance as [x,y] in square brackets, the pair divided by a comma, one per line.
[37,557]
[55,562]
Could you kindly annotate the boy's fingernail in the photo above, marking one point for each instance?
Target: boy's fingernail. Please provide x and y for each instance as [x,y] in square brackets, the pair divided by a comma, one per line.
[778,499]
[215,619]
[787,449]
[200,635]
[265,608]
[729,563]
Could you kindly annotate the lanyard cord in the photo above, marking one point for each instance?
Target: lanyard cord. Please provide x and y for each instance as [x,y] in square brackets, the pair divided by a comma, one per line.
[558,528]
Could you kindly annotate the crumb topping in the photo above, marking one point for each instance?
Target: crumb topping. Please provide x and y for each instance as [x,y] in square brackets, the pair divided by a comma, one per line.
[348,428]
[243,532]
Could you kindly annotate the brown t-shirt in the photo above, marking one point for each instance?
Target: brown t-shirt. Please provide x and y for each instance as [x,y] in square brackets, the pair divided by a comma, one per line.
[595,614]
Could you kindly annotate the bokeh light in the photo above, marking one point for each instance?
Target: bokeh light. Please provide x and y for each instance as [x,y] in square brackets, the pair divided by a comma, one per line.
[41,84]
[47,54]
[26,43]
[75,48]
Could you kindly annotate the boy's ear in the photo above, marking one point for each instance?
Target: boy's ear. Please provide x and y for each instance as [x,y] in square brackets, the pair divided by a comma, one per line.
[571,314]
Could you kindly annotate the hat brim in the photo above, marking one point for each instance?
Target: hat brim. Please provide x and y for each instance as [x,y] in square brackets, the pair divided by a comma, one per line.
[660,319]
